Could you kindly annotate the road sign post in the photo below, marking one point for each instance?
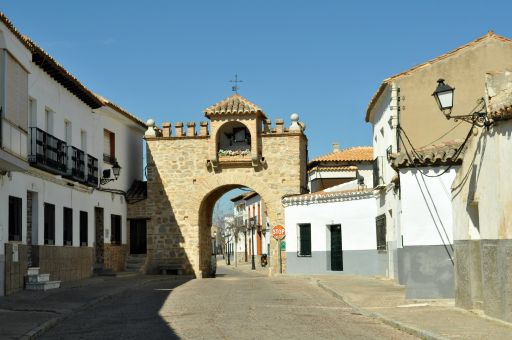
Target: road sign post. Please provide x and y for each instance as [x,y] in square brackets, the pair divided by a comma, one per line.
[278,232]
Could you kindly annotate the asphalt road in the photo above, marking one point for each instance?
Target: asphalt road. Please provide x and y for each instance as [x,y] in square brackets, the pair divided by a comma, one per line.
[235,305]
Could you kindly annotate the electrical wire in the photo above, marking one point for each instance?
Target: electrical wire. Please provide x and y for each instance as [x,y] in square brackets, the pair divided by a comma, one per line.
[455,155]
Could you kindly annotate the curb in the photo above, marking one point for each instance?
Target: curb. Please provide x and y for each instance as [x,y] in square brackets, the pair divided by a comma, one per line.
[47,325]
[424,334]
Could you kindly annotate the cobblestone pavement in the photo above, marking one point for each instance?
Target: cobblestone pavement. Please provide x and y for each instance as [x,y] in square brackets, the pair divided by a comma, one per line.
[235,305]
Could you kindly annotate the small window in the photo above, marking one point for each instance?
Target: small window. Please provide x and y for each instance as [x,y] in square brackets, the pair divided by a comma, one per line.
[304,240]
[32,111]
[48,120]
[380,223]
[68,226]
[49,224]
[240,135]
[115,225]
[83,140]
[83,228]
[67,132]
[109,146]
[14,218]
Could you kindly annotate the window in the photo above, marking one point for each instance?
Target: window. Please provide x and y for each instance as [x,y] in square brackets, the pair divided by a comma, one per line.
[32,111]
[304,240]
[49,224]
[15,91]
[380,222]
[67,132]
[83,140]
[83,228]
[48,120]
[14,218]
[109,146]
[115,226]
[68,226]
[240,134]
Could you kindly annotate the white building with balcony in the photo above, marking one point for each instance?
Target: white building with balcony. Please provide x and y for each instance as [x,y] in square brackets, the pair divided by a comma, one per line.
[62,207]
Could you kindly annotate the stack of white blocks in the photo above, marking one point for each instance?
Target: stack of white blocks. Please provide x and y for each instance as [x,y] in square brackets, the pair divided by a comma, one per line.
[36,281]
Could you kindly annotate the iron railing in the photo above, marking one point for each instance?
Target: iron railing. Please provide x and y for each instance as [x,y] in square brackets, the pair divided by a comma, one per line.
[47,152]
[76,165]
[92,170]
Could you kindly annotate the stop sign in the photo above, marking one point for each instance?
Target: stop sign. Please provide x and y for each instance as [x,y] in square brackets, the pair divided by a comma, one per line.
[278,232]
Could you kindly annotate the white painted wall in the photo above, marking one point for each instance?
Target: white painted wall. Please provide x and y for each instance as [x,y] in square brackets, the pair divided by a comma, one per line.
[426,206]
[48,94]
[357,219]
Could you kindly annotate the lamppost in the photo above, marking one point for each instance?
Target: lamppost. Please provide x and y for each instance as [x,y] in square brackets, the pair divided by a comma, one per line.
[215,242]
[227,246]
[444,99]
[252,225]
[116,170]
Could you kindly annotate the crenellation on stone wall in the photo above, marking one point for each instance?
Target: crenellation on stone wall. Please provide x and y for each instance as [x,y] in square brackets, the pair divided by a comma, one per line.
[179,129]
[166,129]
[191,129]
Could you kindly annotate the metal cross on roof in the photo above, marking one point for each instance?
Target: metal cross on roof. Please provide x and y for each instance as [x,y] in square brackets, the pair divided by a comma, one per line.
[235,87]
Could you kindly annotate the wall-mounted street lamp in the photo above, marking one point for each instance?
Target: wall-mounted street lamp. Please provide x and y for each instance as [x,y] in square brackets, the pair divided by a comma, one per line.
[444,99]
[116,170]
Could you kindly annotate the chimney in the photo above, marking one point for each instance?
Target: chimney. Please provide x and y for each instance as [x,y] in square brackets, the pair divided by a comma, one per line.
[335,147]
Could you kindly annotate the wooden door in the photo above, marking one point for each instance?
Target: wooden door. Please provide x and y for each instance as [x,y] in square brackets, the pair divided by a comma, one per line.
[336,248]
[138,236]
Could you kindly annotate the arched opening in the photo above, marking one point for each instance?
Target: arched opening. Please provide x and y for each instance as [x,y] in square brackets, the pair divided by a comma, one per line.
[233,141]
[234,225]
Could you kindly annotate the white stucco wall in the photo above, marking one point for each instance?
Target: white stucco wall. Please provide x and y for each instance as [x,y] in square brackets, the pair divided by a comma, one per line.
[426,206]
[357,219]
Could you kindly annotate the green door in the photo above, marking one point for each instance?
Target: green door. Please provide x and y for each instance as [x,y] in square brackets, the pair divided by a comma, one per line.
[336,249]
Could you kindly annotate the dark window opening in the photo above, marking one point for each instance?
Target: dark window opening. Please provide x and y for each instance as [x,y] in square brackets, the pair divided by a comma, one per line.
[83,228]
[380,223]
[304,240]
[49,224]
[115,226]
[14,218]
[68,226]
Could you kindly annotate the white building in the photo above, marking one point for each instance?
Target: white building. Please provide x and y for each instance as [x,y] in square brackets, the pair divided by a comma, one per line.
[249,210]
[59,144]
[333,231]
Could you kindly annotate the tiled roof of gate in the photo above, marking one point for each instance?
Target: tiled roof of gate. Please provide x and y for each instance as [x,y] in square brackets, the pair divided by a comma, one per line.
[441,154]
[233,105]
[357,153]
[385,82]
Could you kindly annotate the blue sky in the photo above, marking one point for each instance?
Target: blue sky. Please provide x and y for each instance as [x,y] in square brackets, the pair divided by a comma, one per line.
[168,60]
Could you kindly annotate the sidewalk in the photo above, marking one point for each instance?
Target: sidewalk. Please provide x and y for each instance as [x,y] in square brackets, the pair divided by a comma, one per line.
[28,313]
[430,319]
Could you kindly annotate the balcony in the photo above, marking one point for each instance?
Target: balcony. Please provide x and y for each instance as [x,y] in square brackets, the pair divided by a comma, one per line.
[47,152]
[76,164]
[92,171]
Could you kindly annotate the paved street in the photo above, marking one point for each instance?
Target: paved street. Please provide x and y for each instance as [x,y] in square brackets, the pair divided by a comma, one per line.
[235,305]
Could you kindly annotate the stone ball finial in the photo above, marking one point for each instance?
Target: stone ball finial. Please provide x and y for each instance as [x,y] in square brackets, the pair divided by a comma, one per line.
[294,117]
[150,122]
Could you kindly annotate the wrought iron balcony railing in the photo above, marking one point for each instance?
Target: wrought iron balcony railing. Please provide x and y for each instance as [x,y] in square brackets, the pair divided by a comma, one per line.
[92,171]
[76,164]
[47,152]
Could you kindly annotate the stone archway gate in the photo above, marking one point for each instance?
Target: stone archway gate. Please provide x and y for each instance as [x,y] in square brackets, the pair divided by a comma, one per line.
[186,176]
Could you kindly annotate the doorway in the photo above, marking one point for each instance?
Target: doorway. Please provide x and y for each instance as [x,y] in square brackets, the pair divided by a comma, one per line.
[336,248]
[99,228]
[138,236]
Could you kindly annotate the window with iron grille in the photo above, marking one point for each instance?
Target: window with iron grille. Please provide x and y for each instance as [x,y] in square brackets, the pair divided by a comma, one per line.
[115,232]
[49,224]
[380,222]
[304,239]
[83,228]
[68,226]
[14,218]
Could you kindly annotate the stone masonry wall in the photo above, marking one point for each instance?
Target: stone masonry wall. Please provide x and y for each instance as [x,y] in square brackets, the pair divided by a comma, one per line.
[15,271]
[182,191]
[64,263]
[115,257]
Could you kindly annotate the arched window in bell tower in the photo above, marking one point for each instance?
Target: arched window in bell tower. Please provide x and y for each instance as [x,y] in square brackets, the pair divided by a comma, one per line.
[233,140]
